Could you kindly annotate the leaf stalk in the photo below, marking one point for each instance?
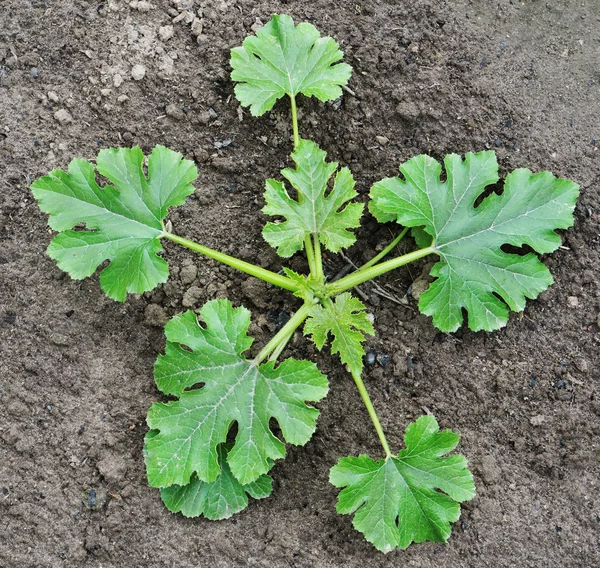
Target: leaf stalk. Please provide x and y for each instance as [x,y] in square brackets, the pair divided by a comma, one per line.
[241,265]
[294,120]
[284,334]
[385,251]
[362,275]
[362,389]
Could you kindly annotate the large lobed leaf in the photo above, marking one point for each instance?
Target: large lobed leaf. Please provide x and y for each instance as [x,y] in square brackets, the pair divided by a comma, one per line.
[412,497]
[286,59]
[314,212]
[123,221]
[346,319]
[217,500]
[474,272]
[234,389]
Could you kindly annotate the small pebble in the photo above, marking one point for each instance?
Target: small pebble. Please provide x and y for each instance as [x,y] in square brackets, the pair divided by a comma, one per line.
[52,96]
[573,302]
[166,32]
[122,98]
[105,92]
[382,140]
[117,80]
[175,112]
[537,420]
[34,72]
[63,116]
[138,72]
[197,27]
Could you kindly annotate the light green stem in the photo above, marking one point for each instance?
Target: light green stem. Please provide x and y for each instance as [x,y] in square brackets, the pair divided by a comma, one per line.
[284,333]
[318,259]
[295,121]
[266,275]
[385,251]
[310,254]
[371,410]
[360,276]
[279,349]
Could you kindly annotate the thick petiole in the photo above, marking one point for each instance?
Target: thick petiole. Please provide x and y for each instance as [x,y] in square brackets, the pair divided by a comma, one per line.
[241,265]
[360,276]
[385,251]
[295,121]
[284,334]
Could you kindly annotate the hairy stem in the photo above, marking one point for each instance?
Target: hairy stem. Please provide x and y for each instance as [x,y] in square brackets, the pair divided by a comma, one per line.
[295,121]
[385,251]
[284,333]
[371,410]
[360,276]
[241,265]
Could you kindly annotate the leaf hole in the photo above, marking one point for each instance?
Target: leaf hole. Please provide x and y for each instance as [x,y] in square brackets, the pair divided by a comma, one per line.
[519,251]
[495,188]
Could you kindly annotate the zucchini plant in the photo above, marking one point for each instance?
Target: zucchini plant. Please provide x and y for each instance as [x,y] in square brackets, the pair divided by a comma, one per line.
[203,466]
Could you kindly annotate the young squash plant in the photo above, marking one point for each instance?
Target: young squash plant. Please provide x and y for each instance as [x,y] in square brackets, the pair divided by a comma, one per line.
[404,496]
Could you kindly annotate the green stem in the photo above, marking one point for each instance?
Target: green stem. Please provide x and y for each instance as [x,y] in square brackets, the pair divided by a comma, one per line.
[279,349]
[310,254]
[318,259]
[371,410]
[266,275]
[284,333]
[295,121]
[385,251]
[361,276]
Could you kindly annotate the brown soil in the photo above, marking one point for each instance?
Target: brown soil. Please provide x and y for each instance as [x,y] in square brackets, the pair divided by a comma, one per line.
[76,368]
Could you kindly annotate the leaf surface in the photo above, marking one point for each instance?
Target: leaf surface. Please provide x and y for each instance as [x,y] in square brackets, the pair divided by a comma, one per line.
[218,500]
[286,59]
[475,273]
[314,211]
[346,319]
[123,221]
[217,386]
[412,497]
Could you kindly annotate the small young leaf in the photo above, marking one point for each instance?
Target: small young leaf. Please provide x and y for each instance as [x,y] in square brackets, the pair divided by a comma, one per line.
[313,212]
[474,272]
[286,59]
[345,318]
[397,501]
[217,500]
[124,222]
[233,389]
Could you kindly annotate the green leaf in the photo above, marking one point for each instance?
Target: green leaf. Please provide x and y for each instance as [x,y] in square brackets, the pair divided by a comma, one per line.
[474,273]
[345,318]
[313,212]
[123,220]
[233,389]
[409,498]
[218,500]
[286,59]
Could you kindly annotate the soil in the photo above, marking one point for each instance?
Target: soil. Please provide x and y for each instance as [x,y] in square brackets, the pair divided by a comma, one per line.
[76,368]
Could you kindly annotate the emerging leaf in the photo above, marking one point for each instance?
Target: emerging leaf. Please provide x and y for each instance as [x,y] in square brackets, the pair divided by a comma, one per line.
[218,500]
[474,272]
[233,389]
[328,216]
[123,221]
[286,59]
[397,501]
[345,318]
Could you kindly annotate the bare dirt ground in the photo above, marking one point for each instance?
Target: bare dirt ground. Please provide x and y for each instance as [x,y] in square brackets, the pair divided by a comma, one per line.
[76,368]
